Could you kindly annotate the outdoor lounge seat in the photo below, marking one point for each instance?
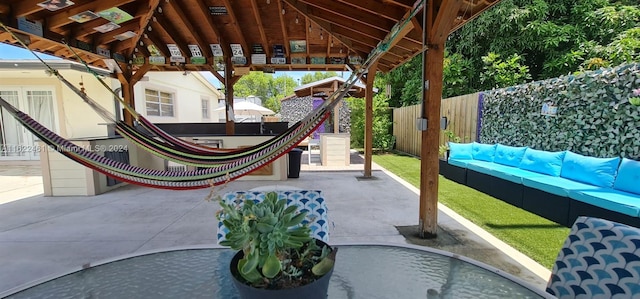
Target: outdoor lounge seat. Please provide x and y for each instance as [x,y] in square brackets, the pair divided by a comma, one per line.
[306,200]
[599,259]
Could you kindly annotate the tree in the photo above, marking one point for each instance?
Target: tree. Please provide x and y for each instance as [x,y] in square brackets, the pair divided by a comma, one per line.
[317,76]
[500,73]
[382,125]
[549,37]
[271,90]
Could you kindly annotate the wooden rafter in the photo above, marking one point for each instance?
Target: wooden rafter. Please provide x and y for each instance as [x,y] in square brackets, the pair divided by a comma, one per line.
[193,31]
[341,13]
[109,37]
[236,26]
[151,38]
[161,23]
[62,18]
[285,34]
[263,35]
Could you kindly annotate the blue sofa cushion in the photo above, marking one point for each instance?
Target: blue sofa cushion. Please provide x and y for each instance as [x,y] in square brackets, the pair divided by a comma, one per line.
[555,185]
[483,152]
[628,178]
[460,151]
[460,163]
[509,155]
[481,166]
[543,162]
[610,199]
[512,174]
[591,170]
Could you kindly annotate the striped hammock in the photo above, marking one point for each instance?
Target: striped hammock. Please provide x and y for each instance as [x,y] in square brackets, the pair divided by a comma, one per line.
[228,168]
[177,180]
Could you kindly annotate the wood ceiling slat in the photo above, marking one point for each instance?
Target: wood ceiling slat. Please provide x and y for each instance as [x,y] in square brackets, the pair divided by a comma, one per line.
[106,38]
[236,26]
[62,18]
[285,33]
[161,23]
[355,26]
[342,12]
[26,7]
[151,38]
[388,11]
[263,35]
[195,35]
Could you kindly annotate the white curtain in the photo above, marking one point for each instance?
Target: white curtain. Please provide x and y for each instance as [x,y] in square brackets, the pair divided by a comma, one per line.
[11,136]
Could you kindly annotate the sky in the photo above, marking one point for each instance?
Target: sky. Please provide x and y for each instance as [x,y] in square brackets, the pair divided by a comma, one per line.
[13,52]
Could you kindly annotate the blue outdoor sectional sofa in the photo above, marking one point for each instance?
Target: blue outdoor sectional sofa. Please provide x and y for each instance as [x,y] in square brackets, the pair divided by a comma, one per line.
[560,186]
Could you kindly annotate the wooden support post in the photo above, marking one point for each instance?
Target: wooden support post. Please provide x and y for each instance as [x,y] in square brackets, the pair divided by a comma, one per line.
[336,112]
[437,24]
[368,120]
[429,167]
[127,95]
[228,84]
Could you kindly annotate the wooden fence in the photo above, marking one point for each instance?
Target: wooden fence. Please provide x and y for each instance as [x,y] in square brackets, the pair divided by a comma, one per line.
[461,113]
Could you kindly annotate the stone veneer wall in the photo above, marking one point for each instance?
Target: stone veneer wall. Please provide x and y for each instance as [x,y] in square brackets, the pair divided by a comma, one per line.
[295,109]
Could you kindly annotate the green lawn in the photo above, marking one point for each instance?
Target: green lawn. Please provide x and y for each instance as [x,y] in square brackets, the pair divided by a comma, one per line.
[532,235]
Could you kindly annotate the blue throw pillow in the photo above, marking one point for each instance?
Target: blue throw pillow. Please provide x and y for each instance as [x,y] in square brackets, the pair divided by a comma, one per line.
[509,155]
[461,151]
[543,162]
[628,178]
[590,170]
[483,152]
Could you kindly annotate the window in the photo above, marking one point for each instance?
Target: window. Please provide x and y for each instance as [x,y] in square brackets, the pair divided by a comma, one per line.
[158,103]
[205,108]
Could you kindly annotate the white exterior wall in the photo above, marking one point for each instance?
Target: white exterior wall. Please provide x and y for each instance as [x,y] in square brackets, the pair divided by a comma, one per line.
[187,92]
[74,118]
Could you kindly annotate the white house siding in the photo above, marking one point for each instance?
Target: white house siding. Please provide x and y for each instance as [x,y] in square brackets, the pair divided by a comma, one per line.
[187,94]
[74,119]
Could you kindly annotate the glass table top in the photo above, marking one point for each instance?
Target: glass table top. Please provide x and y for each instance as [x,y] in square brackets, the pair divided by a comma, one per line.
[361,271]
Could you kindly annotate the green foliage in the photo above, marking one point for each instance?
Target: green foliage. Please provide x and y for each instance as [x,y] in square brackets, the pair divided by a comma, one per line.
[317,76]
[276,245]
[502,73]
[553,38]
[450,136]
[404,83]
[273,89]
[594,116]
[382,125]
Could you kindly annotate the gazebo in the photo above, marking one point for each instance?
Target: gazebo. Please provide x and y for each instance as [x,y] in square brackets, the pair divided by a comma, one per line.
[231,38]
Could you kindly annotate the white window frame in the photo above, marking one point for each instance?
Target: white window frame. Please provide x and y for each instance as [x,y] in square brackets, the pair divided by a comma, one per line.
[158,95]
[205,105]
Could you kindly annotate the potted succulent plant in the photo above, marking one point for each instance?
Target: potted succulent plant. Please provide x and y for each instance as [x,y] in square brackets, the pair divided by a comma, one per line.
[277,257]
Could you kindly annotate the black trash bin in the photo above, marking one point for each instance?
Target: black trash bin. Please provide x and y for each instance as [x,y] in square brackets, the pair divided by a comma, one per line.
[295,158]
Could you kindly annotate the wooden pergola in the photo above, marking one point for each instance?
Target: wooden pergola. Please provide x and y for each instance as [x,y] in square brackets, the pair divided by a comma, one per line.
[229,38]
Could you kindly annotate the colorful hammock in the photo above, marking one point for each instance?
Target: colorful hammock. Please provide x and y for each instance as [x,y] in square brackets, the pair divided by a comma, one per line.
[216,174]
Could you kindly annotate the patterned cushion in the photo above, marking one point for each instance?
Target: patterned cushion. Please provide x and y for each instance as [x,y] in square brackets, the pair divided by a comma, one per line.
[306,200]
[599,259]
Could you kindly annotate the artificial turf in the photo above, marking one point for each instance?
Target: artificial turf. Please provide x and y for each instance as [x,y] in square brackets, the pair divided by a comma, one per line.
[534,236]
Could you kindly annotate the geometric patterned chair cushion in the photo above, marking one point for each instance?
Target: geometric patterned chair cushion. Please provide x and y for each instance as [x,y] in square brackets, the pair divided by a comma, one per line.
[306,200]
[599,259]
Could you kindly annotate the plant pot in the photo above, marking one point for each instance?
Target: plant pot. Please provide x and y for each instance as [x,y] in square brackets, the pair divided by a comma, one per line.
[315,290]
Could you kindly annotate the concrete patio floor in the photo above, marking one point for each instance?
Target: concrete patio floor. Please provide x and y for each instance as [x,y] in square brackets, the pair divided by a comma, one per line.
[43,236]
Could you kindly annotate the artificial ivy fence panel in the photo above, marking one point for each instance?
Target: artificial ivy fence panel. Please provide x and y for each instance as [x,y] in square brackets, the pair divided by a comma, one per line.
[587,113]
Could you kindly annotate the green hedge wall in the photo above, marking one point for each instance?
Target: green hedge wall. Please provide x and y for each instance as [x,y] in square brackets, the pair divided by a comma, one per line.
[594,116]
